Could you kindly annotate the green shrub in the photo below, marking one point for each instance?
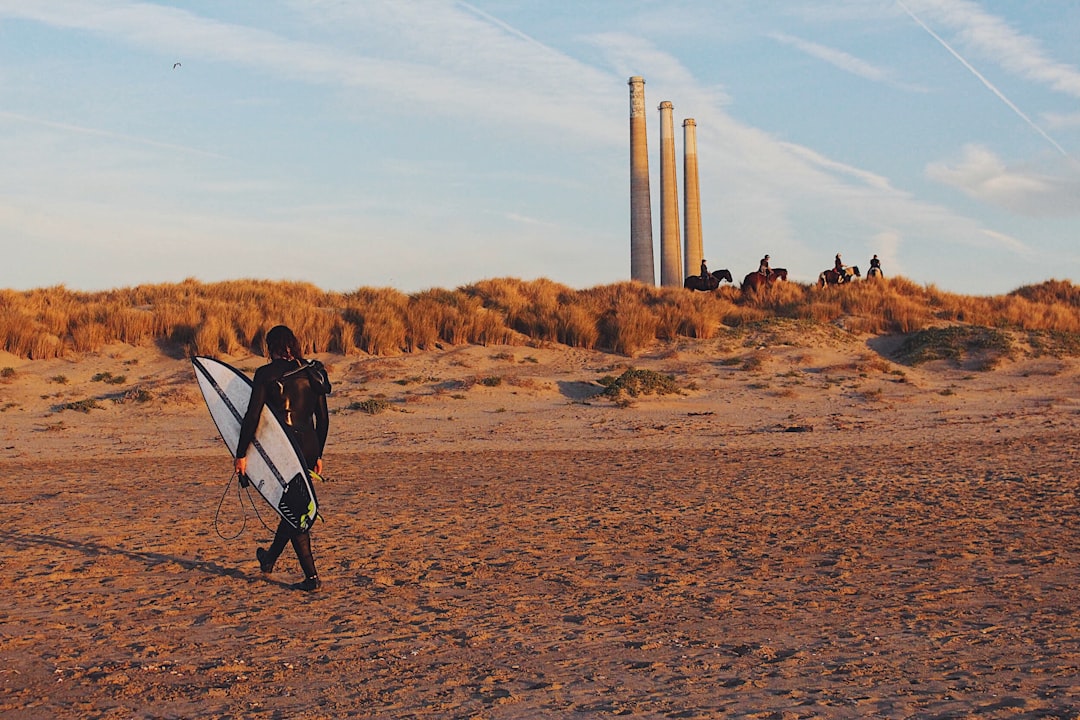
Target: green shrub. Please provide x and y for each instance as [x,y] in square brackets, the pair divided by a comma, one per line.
[636,382]
[83,406]
[959,344]
[372,406]
[136,394]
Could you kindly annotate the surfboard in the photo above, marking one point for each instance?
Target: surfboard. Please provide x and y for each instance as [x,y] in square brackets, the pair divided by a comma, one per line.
[276,467]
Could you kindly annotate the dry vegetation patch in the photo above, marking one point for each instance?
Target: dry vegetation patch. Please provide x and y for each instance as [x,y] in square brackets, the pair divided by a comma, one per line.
[637,382]
[1055,343]
[233,317]
[980,348]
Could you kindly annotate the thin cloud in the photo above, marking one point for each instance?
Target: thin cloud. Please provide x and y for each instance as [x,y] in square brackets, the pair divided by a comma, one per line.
[1008,241]
[837,58]
[1060,121]
[981,174]
[456,67]
[120,137]
[814,158]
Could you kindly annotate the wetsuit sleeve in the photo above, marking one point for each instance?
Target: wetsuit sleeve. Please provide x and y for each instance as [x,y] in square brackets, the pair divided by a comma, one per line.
[322,421]
[251,417]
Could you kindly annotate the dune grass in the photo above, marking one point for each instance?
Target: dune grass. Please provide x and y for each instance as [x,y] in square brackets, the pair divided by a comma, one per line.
[231,318]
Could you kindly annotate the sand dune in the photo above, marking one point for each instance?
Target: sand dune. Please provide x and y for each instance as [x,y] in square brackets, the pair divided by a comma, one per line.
[807,529]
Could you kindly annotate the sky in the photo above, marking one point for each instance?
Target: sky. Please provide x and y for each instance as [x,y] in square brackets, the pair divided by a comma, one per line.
[421,144]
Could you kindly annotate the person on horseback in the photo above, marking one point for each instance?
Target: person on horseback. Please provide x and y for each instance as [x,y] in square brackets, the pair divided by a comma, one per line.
[841,269]
[875,264]
[763,266]
[704,271]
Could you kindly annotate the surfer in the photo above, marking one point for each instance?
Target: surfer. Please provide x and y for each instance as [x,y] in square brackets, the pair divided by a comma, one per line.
[296,389]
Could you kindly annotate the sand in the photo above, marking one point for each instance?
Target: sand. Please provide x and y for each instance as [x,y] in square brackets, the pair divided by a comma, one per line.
[807,530]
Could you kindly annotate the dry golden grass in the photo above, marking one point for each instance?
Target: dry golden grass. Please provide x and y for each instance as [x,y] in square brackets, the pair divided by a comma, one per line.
[233,317]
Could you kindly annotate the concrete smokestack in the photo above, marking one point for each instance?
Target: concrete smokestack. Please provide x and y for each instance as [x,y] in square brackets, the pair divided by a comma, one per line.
[692,200]
[641,240]
[671,266]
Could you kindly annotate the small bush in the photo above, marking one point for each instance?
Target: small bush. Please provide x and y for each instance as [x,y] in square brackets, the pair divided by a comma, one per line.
[636,382]
[372,406]
[982,345]
[83,406]
[7,373]
[753,361]
[136,394]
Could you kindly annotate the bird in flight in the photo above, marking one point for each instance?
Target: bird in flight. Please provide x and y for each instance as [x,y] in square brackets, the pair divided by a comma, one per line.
[175,65]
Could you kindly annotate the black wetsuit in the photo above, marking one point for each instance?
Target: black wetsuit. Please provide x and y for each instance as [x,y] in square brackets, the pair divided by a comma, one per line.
[287,387]
[297,393]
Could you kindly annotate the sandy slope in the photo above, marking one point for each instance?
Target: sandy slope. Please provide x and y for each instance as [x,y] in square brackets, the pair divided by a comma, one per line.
[808,530]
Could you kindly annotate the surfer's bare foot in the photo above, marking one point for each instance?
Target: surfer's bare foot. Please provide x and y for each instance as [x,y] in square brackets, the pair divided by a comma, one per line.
[265,564]
[310,584]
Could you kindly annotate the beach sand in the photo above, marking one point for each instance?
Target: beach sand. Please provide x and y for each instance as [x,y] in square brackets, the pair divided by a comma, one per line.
[807,530]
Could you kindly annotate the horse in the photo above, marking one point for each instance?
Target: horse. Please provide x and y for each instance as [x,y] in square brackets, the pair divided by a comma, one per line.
[756,280]
[875,272]
[831,277]
[696,282]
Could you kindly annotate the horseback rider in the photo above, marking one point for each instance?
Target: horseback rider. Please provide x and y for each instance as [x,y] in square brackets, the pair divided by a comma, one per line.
[875,263]
[763,266]
[841,269]
[704,271]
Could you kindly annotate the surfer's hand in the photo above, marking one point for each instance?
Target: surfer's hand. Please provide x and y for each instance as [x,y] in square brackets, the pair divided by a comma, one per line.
[318,466]
[240,466]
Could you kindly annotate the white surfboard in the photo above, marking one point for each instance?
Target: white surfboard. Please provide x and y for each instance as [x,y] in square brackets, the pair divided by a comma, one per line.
[275,467]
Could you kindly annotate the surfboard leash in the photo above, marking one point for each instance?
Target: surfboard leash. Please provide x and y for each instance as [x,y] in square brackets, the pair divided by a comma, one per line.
[217,514]
[243,510]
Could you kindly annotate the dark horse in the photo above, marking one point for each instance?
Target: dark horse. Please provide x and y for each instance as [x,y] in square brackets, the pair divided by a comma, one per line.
[756,280]
[831,277]
[696,282]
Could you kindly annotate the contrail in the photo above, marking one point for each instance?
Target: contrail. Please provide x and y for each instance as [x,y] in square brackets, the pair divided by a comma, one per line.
[984,81]
[4,114]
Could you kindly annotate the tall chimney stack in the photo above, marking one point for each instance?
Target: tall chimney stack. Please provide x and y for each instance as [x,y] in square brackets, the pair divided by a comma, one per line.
[692,200]
[671,266]
[641,239]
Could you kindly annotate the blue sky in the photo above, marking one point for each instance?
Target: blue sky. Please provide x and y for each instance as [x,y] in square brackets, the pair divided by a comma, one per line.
[435,143]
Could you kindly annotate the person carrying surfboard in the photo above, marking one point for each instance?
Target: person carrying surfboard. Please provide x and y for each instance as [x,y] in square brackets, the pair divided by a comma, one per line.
[296,390]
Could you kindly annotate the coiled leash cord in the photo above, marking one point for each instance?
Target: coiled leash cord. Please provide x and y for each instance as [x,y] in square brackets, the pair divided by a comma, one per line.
[240,497]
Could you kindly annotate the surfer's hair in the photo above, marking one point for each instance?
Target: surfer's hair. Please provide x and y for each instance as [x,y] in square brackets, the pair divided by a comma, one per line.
[281,341]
